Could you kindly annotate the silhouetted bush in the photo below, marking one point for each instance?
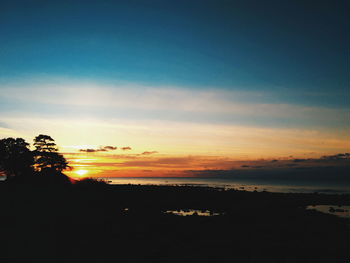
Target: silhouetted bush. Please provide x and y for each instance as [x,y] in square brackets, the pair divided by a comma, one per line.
[91,182]
[45,177]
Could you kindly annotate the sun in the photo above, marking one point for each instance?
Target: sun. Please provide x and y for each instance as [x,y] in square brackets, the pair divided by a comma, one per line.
[81,172]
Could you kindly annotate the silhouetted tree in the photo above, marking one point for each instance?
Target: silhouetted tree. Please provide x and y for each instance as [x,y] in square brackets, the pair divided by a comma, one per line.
[44,143]
[46,155]
[15,157]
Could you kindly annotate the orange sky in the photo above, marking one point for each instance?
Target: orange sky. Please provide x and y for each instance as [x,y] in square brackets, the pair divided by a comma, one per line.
[180,128]
[198,93]
[154,164]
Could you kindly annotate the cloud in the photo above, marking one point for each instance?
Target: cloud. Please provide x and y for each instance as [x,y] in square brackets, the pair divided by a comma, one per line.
[110,148]
[167,162]
[299,160]
[339,156]
[101,149]
[327,168]
[149,159]
[210,104]
[6,132]
[283,168]
[126,148]
[190,138]
[314,173]
[149,153]
[253,166]
[89,150]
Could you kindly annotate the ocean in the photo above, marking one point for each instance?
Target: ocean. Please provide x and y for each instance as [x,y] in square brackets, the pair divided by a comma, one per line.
[250,184]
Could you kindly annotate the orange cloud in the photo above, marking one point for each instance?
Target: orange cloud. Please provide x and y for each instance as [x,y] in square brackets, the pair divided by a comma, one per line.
[148,153]
[126,148]
[101,149]
[138,165]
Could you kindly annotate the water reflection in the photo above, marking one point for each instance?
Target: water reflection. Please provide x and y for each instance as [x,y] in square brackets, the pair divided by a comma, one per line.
[192,212]
[341,211]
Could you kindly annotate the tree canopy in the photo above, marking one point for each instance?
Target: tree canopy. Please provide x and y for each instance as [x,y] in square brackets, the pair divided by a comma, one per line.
[16,158]
[46,155]
[44,143]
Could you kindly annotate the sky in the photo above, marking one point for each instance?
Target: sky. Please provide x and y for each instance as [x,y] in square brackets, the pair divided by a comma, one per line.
[181,85]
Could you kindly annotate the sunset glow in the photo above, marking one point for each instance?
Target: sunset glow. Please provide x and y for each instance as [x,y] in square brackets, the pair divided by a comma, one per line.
[194,96]
[170,131]
[81,172]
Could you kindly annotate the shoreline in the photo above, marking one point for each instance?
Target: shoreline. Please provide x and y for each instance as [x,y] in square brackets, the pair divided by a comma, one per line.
[96,222]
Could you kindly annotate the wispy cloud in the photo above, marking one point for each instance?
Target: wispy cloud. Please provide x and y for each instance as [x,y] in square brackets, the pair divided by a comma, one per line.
[110,148]
[173,120]
[170,102]
[182,137]
[127,148]
[6,132]
[149,153]
[101,149]
[340,156]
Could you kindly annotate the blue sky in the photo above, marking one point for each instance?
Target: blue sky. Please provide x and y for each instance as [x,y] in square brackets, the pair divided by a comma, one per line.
[271,45]
[275,71]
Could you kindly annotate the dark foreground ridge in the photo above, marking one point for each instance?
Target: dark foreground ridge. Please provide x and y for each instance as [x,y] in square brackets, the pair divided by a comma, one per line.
[95,222]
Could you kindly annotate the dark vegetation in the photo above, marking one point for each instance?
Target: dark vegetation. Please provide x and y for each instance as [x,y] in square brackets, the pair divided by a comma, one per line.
[43,164]
[46,220]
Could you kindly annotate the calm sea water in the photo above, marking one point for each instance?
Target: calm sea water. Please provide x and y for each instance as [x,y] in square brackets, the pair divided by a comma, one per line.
[271,185]
[283,186]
